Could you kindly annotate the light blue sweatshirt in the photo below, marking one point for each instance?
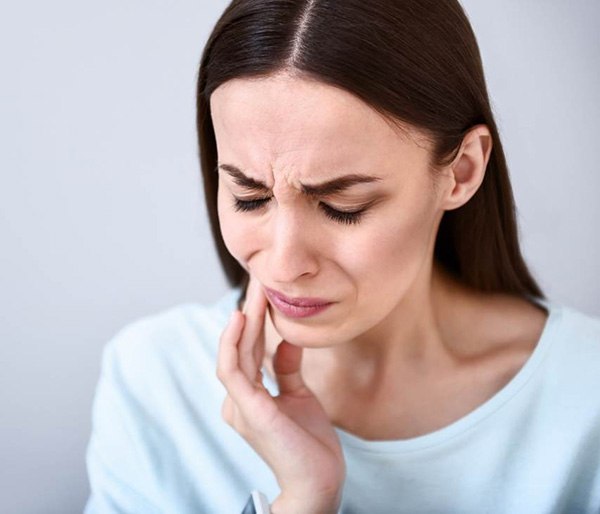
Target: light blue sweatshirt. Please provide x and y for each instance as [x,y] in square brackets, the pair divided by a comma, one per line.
[159,444]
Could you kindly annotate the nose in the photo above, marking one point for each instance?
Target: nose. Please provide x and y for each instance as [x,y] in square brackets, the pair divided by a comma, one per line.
[292,252]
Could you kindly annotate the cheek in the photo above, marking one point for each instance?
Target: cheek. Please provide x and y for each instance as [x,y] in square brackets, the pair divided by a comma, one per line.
[234,231]
[391,253]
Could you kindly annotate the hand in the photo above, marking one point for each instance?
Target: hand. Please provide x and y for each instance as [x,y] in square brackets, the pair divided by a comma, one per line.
[291,432]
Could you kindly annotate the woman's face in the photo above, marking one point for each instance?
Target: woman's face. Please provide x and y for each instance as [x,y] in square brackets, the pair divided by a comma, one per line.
[362,247]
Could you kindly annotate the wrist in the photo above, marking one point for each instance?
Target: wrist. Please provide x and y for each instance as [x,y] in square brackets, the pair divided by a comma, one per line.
[287,503]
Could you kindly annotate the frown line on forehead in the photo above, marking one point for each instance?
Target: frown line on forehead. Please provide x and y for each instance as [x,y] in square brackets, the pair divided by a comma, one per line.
[329,187]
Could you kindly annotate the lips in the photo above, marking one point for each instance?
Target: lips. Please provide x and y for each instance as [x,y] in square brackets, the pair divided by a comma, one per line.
[298,302]
[297,307]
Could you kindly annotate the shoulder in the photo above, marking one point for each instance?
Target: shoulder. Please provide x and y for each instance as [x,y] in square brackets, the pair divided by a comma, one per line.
[575,337]
[569,359]
[173,331]
[156,372]
[585,326]
[541,325]
[156,414]
[167,346]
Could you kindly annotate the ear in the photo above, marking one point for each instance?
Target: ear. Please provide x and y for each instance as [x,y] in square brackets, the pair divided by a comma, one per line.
[468,168]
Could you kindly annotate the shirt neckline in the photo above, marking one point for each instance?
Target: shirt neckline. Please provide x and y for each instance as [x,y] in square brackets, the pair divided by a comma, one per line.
[486,409]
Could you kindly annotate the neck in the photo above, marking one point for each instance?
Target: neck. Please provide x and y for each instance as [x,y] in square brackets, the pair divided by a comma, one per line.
[421,332]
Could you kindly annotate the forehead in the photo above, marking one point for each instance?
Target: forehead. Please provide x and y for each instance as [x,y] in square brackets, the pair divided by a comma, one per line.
[292,123]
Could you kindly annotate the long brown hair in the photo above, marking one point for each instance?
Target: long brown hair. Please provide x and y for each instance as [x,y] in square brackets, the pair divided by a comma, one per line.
[416,62]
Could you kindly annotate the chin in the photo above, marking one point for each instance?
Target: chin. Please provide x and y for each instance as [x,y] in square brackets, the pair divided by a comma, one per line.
[305,335]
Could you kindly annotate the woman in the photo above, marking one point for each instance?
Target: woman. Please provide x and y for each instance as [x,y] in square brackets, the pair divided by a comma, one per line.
[394,353]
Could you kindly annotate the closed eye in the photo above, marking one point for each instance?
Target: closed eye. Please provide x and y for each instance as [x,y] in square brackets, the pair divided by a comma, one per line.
[344,217]
[347,217]
[249,205]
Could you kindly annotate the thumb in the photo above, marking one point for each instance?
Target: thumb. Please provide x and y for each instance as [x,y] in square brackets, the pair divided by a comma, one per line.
[286,365]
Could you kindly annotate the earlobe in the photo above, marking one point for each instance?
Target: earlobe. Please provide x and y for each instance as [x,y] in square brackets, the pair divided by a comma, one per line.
[468,168]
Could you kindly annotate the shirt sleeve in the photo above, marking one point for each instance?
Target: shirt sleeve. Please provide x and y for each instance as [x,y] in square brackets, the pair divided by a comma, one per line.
[120,458]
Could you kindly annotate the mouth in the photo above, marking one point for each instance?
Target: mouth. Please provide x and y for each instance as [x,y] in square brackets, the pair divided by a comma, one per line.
[296,307]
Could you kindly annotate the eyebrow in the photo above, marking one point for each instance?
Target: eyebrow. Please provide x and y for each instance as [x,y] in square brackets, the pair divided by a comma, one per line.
[330,187]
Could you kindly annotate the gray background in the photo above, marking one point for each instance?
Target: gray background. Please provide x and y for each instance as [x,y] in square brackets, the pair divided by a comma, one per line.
[101,213]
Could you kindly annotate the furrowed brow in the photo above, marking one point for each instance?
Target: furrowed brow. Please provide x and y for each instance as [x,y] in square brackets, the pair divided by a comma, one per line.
[337,185]
[330,187]
[242,180]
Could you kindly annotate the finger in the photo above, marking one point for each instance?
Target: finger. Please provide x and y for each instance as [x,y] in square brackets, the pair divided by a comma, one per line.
[270,333]
[259,349]
[242,390]
[227,361]
[286,365]
[252,341]
[227,410]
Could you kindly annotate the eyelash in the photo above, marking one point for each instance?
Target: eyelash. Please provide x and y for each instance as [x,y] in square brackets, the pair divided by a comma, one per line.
[347,218]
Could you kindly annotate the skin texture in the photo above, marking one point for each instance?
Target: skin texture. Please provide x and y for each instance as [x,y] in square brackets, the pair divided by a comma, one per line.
[404,349]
